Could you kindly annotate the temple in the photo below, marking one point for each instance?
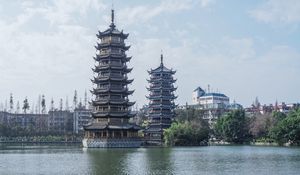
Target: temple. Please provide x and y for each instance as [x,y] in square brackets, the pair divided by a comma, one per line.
[111,107]
[161,103]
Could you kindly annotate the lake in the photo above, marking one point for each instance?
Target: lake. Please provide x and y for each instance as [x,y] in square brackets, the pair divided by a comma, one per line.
[246,160]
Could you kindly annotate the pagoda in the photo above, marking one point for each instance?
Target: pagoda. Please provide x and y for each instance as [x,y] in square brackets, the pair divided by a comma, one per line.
[161,103]
[111,107]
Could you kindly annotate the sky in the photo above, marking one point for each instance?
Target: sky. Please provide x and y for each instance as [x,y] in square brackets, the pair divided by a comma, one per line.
[244,49]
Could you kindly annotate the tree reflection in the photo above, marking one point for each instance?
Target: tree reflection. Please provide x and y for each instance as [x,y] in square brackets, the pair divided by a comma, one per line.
[108,161]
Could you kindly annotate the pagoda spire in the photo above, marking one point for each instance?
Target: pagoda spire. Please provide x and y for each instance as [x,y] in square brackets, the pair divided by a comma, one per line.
[161,58]
[112,25]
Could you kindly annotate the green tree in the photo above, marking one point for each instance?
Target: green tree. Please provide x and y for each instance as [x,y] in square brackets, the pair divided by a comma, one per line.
[25,105]
[287,129]
[187,133]
[233,127]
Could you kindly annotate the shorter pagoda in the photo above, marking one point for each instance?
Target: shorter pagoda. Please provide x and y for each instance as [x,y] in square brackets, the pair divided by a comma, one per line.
[161,103]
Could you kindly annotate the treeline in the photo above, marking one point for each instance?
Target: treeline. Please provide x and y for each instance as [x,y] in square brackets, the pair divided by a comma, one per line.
[39,106]
[234,127]
[189,129]
[30,134]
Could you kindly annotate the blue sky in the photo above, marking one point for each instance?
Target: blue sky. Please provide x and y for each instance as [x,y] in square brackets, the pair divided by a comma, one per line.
[245,49]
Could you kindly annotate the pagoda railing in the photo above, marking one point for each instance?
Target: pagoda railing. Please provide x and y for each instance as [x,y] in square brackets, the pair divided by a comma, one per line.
[111,111]
[108,42]
[110,51]
[110,75]
[111,64]
[111,99]
[113,88]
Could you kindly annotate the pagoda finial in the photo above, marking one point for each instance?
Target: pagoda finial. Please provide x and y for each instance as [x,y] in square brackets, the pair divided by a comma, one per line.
[112,15]
[112,25]
[161,58]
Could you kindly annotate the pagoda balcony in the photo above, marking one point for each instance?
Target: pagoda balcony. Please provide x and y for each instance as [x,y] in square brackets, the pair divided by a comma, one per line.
[113,77]
[110,64]
[113,90]
[109,89]
[170,97]
[113,44]
[113,53]
[100,114]
[161,78]
[162,94]
[160,106]
[110,111]
[119,67]
[106,101]
[169,103]
[153,88]
[123,58]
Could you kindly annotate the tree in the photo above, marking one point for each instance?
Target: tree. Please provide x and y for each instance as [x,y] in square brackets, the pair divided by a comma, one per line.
[233,127]
[43,104]
[85,99]
[11,103]
[25,105]
[187,133]
[61,104]
[75,99]
[18,107]
[260,125]
[52,104]
[67,104]
[287,130]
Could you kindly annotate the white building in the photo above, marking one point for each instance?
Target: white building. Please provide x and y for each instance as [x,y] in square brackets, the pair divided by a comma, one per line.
[209,99]
[213,105]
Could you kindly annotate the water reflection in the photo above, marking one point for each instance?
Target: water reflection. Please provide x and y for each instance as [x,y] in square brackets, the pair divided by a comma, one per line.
[159,161]
[108,161]
[130,161]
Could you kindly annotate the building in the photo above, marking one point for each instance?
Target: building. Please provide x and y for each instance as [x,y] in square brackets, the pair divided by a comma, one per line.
[111,107]
[60,121]
[209,99]
[258,109]
[212,104]
[161,106]
[81,117]
[38,122]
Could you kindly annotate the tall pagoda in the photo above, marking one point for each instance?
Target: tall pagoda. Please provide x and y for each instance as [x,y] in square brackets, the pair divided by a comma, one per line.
[111,107]
[161,103]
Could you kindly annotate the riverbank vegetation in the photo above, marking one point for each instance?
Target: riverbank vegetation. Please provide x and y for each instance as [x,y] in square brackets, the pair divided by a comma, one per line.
[234,127]
[19,134]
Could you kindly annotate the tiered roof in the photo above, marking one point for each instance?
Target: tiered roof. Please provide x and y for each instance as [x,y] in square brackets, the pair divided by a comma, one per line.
[111,81]
[161,106]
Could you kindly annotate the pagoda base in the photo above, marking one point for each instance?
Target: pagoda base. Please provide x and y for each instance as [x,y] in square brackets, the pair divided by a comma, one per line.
[112,143]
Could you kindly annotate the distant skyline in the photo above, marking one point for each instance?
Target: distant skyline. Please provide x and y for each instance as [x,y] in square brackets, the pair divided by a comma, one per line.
[245,49]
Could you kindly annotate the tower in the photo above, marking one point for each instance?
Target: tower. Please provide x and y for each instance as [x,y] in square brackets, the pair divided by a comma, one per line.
[111,106]
[161,103]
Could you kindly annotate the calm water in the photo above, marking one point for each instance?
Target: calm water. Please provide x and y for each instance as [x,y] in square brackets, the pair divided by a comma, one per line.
[244,160]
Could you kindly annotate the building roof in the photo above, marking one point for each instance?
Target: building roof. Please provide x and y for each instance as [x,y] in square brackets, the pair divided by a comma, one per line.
[214,94]
[198,89]
[161,68]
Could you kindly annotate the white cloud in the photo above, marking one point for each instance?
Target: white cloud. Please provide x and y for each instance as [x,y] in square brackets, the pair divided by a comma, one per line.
[271,11]
[34,62]
[143,13]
